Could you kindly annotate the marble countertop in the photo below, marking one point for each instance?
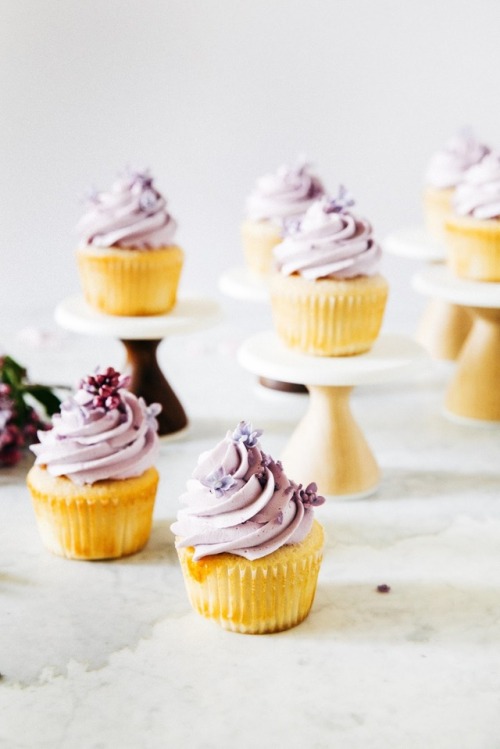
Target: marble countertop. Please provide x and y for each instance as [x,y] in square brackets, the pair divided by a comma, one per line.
[109,654]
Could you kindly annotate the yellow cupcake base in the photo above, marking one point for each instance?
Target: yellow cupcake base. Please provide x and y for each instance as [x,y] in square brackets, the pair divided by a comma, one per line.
[328,317]
[437,206]
[267,595]
[105,520]
[259,238]
[473,248]
[130,281]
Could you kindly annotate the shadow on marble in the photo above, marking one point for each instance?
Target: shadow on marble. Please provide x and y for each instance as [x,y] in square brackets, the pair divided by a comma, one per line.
[413,612]
[160,547]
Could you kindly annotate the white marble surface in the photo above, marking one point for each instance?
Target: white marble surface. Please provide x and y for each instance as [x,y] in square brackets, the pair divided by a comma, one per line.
[109,654]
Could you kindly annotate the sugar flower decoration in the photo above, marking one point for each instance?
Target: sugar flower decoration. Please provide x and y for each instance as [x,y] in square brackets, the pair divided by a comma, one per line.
[105,388]
[218,482]
[309,496]
[246,434]
[341,203]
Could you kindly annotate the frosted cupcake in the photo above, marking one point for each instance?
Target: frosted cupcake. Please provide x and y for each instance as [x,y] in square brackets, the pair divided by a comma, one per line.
[94,484]
[445,170]
[276,199]
[249,546]
[128,261]
[328,297]
[473,229]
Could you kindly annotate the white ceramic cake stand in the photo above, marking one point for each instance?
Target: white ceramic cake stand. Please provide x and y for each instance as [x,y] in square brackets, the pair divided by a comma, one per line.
[444,326]
[473,394]
[328,446]
[141,337]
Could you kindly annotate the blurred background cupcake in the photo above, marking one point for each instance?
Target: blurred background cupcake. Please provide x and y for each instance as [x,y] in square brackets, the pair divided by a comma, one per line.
[276,199]
[473,227]
[445,170]
[127,259]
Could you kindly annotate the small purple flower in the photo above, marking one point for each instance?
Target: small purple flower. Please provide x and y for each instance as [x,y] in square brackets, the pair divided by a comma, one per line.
[339,204]
[218,482]
[246,434]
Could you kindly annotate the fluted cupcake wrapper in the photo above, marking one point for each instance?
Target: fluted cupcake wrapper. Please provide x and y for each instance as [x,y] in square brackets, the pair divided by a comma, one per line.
[328,317]
[259,238]
[106,520]
[474,248]
[267,595]
[130,282]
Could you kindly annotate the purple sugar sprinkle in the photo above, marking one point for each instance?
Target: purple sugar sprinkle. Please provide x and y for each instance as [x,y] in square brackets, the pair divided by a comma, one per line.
[384,588]
[308,496]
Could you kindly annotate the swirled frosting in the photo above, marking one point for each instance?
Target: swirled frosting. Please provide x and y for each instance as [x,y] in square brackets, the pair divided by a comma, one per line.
[285,194]
[132,215]
[478,195]
[329,242]
[240,501]
[102,432]
[448,166]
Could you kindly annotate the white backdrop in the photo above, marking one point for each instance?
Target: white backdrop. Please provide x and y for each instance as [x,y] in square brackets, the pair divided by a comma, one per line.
[211,94]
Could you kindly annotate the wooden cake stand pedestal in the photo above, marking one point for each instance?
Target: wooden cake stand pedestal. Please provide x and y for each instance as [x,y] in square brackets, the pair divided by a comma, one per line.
[239,283]
[444,326]
[141,337]
[473,394]
[328,446]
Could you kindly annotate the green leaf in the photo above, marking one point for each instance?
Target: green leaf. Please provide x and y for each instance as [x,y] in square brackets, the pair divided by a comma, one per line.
[45,396]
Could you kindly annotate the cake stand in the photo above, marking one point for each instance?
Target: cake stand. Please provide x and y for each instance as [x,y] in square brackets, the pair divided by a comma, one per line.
[473,395]
[239,283]
[327,446]
[141,337]
[444,326]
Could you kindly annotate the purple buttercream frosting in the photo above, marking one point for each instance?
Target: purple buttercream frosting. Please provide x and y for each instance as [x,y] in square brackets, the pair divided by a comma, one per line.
[283,195]
[448,165]
[478,194]
[240,501]
[329,242]
[132,215]
[102,432]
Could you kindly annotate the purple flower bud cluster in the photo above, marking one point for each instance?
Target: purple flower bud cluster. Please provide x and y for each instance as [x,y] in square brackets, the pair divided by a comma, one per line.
[308,496]
[105,386]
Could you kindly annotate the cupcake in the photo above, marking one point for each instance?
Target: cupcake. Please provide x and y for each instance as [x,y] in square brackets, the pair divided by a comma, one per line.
[276,199]
[473,229]
[445,170]
[127,259]
[327,296]
[249,546]
[93,484]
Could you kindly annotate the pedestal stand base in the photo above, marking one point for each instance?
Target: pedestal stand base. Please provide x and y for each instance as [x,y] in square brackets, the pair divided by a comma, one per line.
[147,381]
[327,446]
[473,394]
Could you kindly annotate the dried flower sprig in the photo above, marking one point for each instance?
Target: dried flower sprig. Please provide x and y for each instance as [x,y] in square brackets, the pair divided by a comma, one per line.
[19,421]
